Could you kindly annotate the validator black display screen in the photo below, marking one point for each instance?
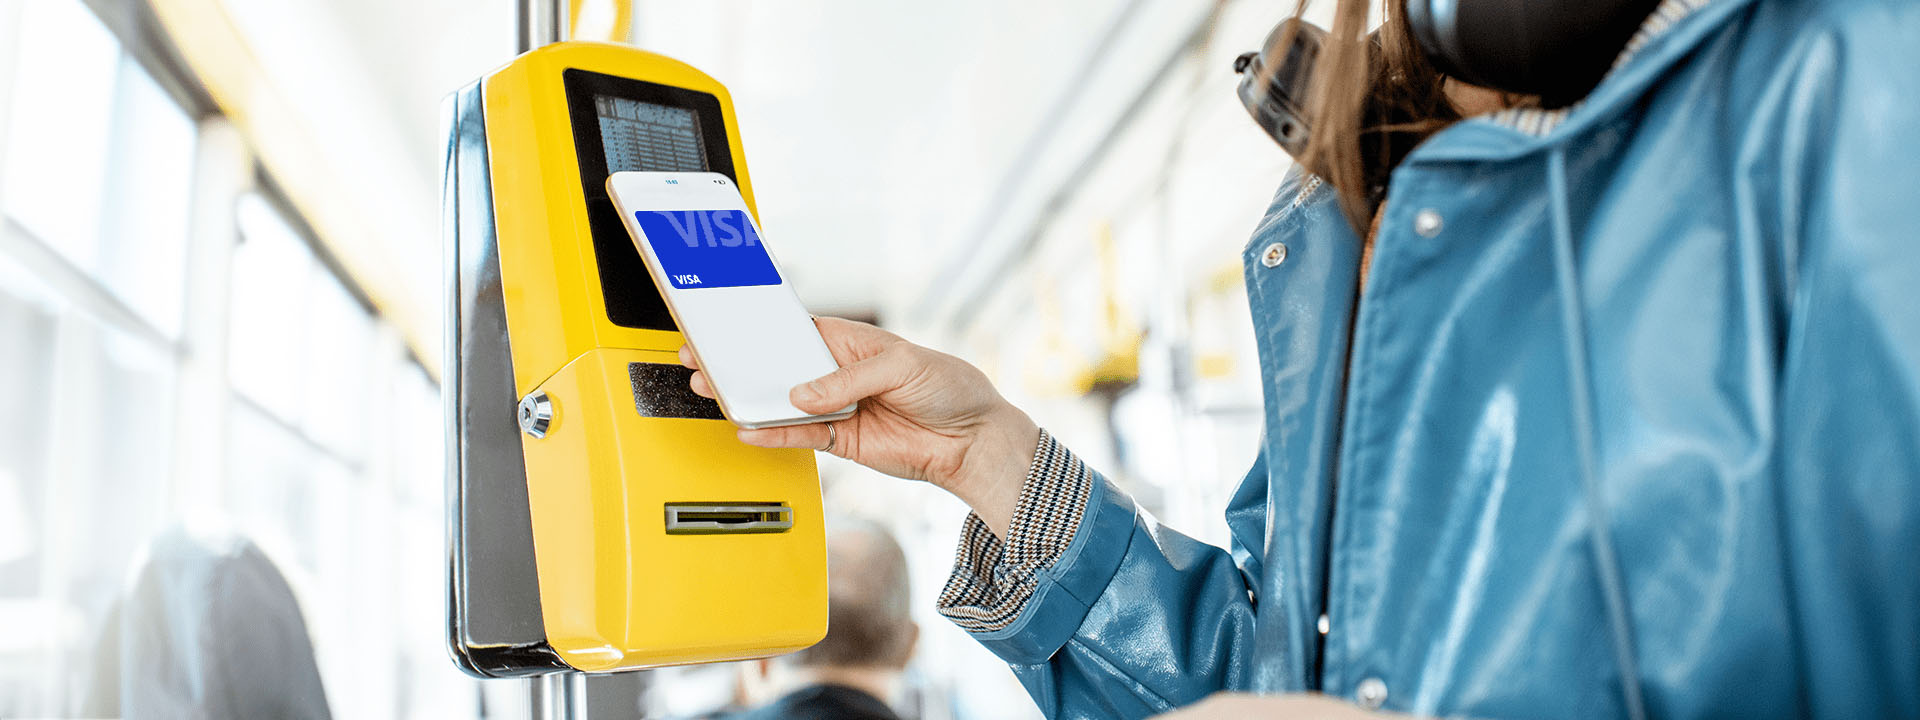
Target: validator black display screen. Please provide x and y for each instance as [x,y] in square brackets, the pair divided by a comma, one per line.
[626,124]
[648,136]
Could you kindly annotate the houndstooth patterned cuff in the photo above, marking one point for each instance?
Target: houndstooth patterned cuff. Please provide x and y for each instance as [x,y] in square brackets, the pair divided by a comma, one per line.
[991,580]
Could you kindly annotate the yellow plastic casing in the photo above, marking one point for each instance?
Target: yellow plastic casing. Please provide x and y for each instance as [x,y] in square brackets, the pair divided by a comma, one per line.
[616,591]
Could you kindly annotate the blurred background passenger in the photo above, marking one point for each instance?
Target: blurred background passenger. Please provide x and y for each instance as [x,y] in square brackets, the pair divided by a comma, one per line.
[208,629]
[855,671]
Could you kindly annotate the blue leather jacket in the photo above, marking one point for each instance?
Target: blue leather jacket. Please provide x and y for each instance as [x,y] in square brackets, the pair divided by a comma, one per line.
[1625,423]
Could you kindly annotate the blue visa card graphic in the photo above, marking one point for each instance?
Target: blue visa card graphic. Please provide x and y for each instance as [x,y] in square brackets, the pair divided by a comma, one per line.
[707,248]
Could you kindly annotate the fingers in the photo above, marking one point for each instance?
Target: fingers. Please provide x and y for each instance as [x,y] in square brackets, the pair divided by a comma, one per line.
[851,341]
[698,382]
[812,437]
[855,382]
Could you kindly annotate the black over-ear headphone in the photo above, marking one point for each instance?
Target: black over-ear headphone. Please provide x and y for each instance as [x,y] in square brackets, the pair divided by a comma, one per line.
[1556,50]
[1279,103]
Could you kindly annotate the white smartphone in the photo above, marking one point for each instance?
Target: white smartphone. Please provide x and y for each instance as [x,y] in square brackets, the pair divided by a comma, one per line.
[752,337]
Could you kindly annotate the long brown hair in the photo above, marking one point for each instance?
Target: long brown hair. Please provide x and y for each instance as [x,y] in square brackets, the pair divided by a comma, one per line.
[1372,98]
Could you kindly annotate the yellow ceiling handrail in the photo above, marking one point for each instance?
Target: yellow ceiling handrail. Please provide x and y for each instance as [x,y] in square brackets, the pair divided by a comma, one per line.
[604,20]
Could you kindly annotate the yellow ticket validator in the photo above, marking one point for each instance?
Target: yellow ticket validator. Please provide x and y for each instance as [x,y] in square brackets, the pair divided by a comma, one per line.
[601,516]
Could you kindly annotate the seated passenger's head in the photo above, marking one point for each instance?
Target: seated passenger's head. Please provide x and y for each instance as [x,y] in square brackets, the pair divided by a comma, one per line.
[869,623]
[870,629]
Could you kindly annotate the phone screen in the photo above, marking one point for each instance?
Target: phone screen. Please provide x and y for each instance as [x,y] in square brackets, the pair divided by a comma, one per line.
[700,249]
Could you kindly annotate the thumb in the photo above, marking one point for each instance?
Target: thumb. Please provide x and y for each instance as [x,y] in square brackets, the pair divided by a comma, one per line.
[851,341]
[853,383]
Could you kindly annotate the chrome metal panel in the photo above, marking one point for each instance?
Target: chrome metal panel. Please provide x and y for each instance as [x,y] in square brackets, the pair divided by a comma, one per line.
[495,622]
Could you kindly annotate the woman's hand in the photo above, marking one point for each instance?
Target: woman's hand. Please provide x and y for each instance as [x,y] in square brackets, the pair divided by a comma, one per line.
[1234,706]
[923,415]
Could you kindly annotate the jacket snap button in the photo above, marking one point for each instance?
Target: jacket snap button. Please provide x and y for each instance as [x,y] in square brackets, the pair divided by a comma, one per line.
[1371,693]
[1427,222]
[1274,255]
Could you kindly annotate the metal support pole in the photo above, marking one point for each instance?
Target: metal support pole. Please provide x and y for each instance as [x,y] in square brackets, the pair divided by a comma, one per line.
[543,22]
[560,696]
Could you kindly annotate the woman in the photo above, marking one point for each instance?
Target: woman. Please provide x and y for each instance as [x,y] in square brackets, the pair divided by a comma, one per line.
[1607,411]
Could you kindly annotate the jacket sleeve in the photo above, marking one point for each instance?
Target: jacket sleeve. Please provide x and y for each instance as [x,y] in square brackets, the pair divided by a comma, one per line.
[1101,611]
[1846,204]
